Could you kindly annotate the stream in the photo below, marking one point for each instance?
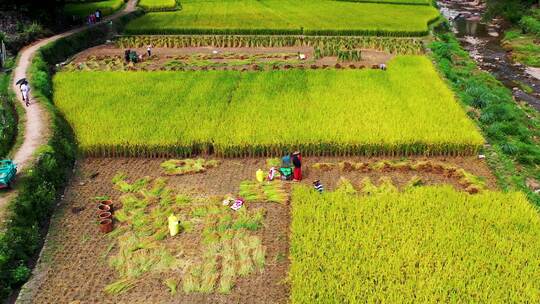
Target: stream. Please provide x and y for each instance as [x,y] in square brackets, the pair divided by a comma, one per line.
[483,42]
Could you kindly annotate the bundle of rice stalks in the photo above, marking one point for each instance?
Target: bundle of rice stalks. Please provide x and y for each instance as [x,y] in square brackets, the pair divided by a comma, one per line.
[188,166]
[252,191]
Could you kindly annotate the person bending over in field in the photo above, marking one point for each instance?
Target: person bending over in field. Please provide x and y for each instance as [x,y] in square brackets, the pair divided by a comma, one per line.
[126,55]
[318,186]
[297,163]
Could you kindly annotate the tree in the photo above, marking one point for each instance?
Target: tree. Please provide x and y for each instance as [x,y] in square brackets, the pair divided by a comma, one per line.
[44,11]
[511,10]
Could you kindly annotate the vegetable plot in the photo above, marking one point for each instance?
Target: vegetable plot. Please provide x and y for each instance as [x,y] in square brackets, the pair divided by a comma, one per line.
[318,17]
[402,111]
[428,243]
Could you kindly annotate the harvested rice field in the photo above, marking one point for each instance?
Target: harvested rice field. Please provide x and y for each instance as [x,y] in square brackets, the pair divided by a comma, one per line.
[319,17]
[76,262]
[405,110]
[106,58]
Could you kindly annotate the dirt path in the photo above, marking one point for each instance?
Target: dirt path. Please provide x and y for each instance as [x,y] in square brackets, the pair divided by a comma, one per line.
[37,122]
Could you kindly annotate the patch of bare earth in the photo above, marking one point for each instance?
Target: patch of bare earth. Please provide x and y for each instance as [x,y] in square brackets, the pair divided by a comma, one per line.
[74,268]
[161,56]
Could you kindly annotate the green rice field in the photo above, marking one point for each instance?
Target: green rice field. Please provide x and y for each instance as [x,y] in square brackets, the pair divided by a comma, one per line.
[157,5]
[405,110]
[320,17]
[427,245]
[404,2]
[84,9]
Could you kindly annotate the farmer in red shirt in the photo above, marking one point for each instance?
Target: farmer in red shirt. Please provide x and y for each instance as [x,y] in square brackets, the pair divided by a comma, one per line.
[297,163]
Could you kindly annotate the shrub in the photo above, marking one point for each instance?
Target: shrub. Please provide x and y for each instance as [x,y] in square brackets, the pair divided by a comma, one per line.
[531,25]
[8,115]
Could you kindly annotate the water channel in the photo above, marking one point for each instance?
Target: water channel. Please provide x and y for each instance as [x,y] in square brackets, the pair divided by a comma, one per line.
[482,39]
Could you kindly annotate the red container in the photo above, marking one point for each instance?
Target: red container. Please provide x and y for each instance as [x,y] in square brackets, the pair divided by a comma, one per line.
[106,202]
[103,208]
[106,225]
[105,215]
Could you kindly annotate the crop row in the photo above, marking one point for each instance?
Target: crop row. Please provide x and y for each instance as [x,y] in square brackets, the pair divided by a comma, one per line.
[271,150]
[402,46]
[430,243]
[406,110]
[299,31]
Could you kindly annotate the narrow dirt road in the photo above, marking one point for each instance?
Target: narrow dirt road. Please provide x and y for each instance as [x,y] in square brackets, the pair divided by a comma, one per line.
[37,122]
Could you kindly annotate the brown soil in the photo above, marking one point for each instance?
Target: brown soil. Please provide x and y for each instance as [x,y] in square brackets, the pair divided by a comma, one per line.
[160,56]
[73,267]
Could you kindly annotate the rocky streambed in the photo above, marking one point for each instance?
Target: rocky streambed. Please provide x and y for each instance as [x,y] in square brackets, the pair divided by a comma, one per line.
[483,40]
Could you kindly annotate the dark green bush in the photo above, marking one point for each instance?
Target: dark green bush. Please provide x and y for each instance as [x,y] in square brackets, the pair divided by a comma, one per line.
[512,10]
[21,273]
[8,116]
[509,148]
[530,24]
[528,154]
[27,34]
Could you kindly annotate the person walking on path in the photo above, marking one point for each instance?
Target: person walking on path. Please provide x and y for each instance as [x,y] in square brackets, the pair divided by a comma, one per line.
[297,163]
[149,50]
[25,92]
[98,15]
